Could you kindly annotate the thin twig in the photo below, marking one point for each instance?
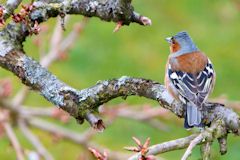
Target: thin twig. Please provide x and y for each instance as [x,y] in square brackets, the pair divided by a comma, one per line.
[19,98]
[63,44]
[14,141]
[138,113]
[206,150]
[54,42]
[73,35]
[83,139]
[66,133]
[193,143]
[34,140]
[167,146]
[37,111]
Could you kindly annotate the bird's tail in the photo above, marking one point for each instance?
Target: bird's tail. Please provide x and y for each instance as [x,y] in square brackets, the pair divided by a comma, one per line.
[193,116]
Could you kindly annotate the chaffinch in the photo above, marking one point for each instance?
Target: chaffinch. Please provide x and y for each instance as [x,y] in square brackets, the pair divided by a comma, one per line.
[189,77]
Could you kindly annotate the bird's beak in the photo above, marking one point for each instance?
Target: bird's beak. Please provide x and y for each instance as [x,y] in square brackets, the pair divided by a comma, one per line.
[169,40]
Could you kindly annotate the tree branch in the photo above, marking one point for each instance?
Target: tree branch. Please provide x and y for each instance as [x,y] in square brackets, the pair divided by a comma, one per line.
[192,144]
[78,103]
[83,104]
[71,135]
[206,136]
[167,146]
[83,139]
[107,10]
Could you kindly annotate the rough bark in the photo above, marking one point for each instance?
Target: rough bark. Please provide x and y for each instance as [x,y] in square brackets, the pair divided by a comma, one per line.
[80,103]
[107,10]
[13,58]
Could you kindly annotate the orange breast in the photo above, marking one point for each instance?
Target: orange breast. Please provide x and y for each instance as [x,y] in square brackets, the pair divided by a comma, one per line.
[191,63]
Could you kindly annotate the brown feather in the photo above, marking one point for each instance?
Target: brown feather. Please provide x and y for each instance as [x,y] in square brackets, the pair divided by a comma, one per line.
[190,63]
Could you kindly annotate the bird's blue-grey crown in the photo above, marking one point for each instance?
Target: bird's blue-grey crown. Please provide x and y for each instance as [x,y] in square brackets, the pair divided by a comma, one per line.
[185,41]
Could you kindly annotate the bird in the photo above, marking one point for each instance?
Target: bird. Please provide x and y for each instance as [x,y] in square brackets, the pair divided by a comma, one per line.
[189,77]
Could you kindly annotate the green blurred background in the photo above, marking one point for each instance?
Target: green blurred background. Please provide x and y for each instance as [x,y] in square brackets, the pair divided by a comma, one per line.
[141,51]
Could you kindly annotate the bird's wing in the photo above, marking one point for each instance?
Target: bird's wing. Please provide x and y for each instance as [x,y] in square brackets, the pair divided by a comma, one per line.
[193,87]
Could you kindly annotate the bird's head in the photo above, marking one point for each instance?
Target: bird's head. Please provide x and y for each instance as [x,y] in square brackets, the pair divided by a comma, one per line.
[181,43]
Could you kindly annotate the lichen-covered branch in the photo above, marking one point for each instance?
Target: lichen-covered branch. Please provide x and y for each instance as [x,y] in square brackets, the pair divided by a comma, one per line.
[80,103]
[204,138]
[13,35]
[107,10]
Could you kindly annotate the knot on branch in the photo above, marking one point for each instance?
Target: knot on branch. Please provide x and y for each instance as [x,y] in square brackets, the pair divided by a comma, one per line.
[70,103]
[80,107]
[122,10]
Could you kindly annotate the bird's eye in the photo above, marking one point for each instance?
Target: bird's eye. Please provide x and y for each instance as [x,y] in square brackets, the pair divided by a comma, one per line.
[173,40]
